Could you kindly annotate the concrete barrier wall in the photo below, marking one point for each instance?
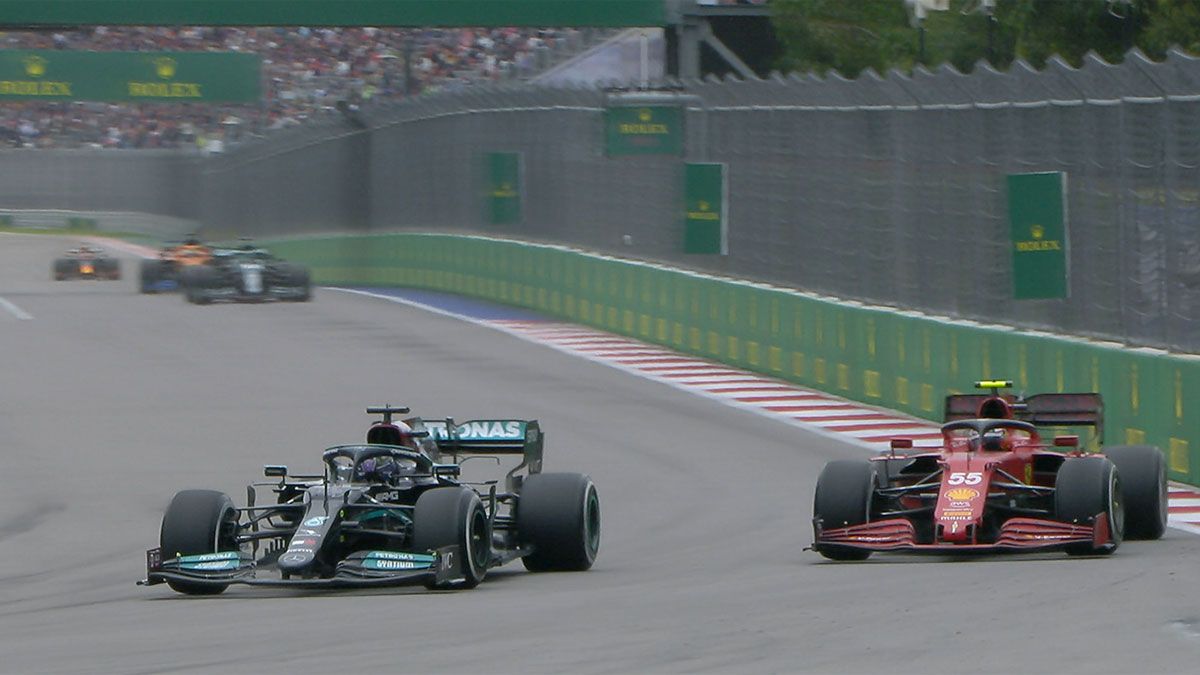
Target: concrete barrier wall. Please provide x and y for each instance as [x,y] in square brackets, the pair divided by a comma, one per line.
[904,361]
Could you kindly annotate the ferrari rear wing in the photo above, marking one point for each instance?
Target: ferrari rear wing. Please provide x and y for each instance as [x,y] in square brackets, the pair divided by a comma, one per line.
[1043,410]
[490,437]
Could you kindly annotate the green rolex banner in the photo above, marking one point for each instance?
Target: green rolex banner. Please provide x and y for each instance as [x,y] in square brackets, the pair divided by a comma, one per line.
[1037,216]
[504,188]
[144,77]
[643,130]
[706,220]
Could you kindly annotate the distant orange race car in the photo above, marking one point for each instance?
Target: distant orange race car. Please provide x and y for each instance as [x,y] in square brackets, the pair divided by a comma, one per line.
[162,274]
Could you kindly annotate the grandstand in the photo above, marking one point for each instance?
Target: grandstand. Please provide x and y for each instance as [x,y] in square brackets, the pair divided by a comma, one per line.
[306,71]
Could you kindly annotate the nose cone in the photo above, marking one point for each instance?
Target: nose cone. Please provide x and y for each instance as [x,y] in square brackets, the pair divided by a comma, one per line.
[299,555]
[306,542]
[958,509]
[292,562]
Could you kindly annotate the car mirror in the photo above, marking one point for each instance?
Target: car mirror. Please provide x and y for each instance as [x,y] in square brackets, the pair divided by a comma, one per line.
[446,470]
[899,443]
[275,471]
[1066,441]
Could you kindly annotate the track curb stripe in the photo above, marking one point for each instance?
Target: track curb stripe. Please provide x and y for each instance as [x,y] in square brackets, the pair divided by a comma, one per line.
[791,404]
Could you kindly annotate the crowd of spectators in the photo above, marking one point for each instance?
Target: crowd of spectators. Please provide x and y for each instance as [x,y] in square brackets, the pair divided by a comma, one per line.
[305,72]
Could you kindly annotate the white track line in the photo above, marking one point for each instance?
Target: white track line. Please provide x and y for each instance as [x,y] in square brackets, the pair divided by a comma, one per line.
[14,310]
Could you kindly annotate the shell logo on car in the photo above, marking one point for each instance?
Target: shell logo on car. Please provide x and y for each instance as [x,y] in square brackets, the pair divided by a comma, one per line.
[962,494]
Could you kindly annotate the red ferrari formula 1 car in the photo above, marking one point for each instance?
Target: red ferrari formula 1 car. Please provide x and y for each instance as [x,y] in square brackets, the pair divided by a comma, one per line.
[994,485]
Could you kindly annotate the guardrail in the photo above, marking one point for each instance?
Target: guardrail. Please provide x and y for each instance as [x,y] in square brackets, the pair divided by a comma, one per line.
[901,360]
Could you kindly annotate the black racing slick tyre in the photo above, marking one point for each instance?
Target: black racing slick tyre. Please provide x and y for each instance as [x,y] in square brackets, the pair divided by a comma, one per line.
[62,268]
[558,515]
[150,274]
[1085,488]
[108,268]
[298,277]
[198,522]
[1143,472]
[454,516]
[843,497]
[195,282]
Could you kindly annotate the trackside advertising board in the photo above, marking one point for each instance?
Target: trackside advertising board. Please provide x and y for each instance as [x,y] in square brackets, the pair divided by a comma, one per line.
[143,77]
[504,188]
[705,209]
[1037,216]
[643,130]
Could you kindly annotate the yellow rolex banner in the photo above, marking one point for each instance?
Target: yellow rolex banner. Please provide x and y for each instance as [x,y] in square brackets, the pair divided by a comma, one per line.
[504,188]
[643,130]
[1037,216]
[163,77]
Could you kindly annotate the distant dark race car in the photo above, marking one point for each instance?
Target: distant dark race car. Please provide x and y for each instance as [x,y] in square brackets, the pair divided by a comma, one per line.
[245,274]
[995,484]
[87,262]
[391,511]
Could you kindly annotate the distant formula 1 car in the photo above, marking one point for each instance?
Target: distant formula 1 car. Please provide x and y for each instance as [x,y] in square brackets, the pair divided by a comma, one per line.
[994,485]
[86,262]
[246,274]
[391,511]
[162,273]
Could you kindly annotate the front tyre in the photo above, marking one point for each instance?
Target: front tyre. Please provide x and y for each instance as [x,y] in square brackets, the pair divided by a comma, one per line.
[1088,487]
[198,522]
[454,516]
[62,268]
[558,515]
[1143,472]
[150,273]
[843,498]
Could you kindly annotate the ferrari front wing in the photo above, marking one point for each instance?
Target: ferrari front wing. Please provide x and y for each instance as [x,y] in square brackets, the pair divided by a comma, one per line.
[1016,534]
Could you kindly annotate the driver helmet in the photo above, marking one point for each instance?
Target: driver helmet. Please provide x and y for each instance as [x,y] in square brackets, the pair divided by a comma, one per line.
[993,440]
[381,469]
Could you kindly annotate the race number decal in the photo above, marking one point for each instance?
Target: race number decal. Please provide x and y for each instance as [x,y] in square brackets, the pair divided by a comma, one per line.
[965,478]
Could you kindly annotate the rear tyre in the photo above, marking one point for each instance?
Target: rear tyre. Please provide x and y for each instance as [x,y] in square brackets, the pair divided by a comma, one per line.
[198,522]
[1085,488]
[62,268]
[558,514]
[454,516]
[108,268]
[1143,473]
[843,497]
[195,282]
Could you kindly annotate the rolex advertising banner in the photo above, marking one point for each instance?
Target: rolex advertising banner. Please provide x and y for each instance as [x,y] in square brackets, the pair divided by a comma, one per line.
[504,188]
[706,218]
[144,77]
[1037,216]
[643,130]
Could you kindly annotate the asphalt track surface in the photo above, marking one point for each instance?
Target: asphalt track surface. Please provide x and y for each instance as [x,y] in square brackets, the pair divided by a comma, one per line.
[112,401]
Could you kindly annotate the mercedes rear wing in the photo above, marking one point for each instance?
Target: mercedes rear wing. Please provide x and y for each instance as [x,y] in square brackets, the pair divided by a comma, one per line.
[490,437]
[1043,410]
